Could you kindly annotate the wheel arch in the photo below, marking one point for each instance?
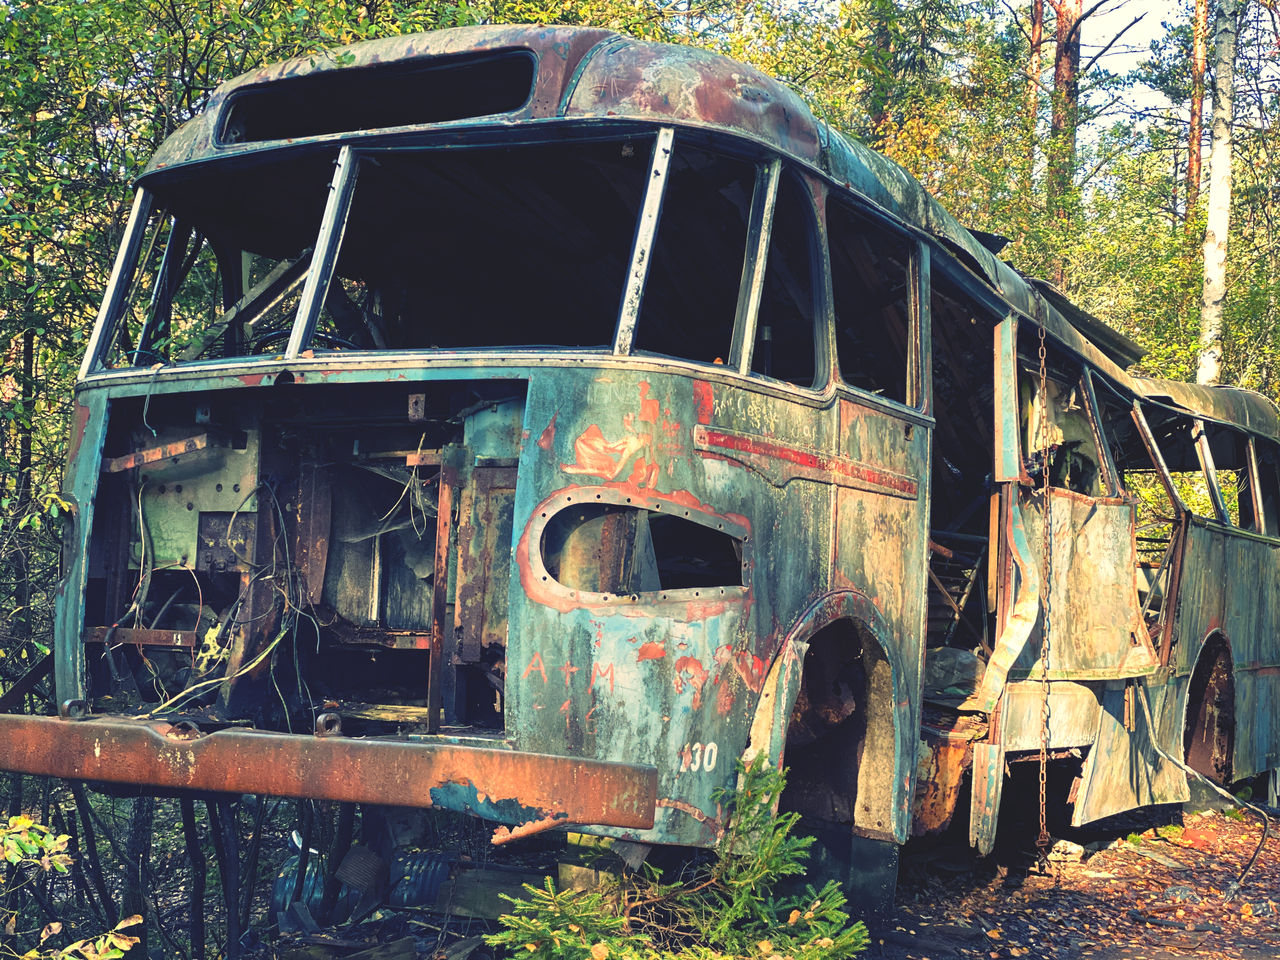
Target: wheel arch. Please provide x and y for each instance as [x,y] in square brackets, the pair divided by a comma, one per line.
[888,720]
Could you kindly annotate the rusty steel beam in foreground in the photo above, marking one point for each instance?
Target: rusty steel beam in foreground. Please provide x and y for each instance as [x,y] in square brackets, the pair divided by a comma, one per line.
[496,784]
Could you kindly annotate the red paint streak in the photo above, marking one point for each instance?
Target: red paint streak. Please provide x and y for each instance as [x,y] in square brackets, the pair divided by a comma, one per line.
[697,677]
[597,457]
[648,405]
[548,437]
[705,609]
[1262,671]
[535,663]
[746,664]
[703,400]
[639,473]
[597,673]
[652,650]
[724,699]
[568,670]
[769,449]
[252,379]
[79,425]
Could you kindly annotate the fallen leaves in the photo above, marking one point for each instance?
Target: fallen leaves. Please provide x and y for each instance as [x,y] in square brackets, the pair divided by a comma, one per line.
[1120,902]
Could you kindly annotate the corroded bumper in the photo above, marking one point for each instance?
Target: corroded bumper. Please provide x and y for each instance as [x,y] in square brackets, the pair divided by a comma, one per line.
[534,790]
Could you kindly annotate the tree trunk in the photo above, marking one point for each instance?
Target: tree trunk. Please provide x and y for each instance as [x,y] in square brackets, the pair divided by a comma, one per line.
[137,858]
[1034,62]
[1066,104]
[1199,54]
[1226,25]
[195,852]
[20,625]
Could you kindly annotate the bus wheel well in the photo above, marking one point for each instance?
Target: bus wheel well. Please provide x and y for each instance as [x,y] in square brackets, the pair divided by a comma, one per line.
[841,743]
[1209,730]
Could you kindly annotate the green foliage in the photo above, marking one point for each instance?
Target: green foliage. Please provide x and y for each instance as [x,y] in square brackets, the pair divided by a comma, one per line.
[32,849]
[109,946]
[564,925]
[729,909]
[27,843]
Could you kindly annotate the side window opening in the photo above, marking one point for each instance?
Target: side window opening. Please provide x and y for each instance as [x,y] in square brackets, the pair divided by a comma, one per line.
[785,344]
[961,622]
[1154,513]
[1175,435]
[1059,425]
[624,551]
[691,295]
[870,286]
[1267,456]
[1136,476]
[1231,466]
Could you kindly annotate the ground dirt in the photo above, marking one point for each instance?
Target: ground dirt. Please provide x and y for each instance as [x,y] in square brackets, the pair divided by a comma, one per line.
[1157,884]
[1158,891]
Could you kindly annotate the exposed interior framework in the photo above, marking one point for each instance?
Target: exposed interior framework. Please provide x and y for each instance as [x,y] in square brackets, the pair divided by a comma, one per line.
[292,545]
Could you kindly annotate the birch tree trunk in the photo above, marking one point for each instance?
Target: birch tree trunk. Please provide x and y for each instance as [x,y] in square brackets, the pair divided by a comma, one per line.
[1226,26]
[1195,129]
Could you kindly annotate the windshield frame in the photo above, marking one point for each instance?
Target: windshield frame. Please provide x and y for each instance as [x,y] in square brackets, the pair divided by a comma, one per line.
[664,141]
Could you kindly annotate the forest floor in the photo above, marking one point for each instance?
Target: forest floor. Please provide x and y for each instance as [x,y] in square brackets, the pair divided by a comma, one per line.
[1156,892]
[1156,884]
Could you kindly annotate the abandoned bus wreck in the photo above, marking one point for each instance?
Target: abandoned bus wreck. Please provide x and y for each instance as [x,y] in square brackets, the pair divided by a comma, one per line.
[533,422]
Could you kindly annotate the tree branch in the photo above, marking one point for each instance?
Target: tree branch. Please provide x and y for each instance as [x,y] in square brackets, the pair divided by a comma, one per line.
[1111,43]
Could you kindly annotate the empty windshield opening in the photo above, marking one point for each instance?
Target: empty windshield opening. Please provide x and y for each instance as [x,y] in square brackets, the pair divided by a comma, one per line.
[485,247]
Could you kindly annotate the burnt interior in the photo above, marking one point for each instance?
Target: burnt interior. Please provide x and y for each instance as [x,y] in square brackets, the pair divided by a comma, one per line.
[961,624]
[1208,737]
[627,551]
[840,747]
[272,554]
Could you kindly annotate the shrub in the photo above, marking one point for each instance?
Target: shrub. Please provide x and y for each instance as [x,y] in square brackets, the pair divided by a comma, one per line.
[726,909]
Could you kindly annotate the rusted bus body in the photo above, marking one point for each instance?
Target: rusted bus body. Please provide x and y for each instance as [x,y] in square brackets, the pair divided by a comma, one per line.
[482,399]
[451,542]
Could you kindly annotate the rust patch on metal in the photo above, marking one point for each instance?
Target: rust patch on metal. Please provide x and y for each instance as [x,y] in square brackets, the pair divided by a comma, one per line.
[507,834]
[547,439]
[141,637]
[156,454]
[404,773]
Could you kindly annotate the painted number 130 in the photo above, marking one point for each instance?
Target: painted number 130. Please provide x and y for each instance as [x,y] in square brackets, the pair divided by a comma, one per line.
[699,756]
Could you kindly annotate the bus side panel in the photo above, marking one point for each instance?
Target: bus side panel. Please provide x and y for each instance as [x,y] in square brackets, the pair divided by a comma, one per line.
[79,487]
[664,676]
[1252,629]
[881,550]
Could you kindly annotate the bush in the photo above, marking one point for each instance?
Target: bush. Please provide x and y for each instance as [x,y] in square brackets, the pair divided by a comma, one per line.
[727,909]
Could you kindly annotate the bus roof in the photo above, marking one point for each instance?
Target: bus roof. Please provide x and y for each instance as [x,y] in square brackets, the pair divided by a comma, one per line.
[578,73]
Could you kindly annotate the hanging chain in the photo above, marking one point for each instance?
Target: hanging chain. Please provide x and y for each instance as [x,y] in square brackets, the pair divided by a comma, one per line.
[1046,568]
